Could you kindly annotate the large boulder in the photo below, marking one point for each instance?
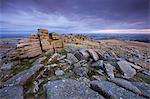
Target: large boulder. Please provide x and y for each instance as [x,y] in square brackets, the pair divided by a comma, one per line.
[70,89]
[13,92]
[126,69]
[112,91]
[125,84]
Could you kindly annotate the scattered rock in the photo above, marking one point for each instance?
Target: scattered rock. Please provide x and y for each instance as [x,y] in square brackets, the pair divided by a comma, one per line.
[93,54]
[126,69]
[13,92]
[70,89]
[125,84]
[80,71]
[72,58]
[109,70]
[59,72]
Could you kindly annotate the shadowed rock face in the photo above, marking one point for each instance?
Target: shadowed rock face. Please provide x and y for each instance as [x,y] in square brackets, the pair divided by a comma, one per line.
[70,89]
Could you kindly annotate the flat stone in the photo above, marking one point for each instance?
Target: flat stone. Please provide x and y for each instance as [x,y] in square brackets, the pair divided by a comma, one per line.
[22,77]
[70,89]
[126,84]
[126,69]
[109,70]
[13,92]
[112,91]
[144,87]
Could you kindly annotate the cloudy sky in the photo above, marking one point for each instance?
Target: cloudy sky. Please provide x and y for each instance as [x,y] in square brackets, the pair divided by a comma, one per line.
[75,15]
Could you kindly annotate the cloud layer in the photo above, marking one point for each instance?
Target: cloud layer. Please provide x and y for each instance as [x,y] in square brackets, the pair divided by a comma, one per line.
[74,15]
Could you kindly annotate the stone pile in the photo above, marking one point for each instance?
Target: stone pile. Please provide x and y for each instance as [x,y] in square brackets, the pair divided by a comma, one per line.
[36,44]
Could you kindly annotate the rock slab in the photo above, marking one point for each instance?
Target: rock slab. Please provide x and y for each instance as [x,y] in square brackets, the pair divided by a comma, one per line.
[70,89]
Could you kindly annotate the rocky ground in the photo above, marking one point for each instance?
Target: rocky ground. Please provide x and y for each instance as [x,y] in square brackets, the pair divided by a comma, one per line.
[92,69]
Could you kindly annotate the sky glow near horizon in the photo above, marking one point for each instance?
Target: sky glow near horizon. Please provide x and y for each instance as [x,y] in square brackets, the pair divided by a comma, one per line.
[76,16]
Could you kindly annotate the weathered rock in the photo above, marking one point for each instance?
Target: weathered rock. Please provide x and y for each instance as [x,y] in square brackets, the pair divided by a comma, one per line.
[28,50]
[93,54]
[72,58]
[13,92]
[99,64]
[125,84]
[144,87]
[126,69]
[22,77]
[112,91]
[59,72]
[109,70]
[46,45]
[7,66]
[70,89]
[81,71]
